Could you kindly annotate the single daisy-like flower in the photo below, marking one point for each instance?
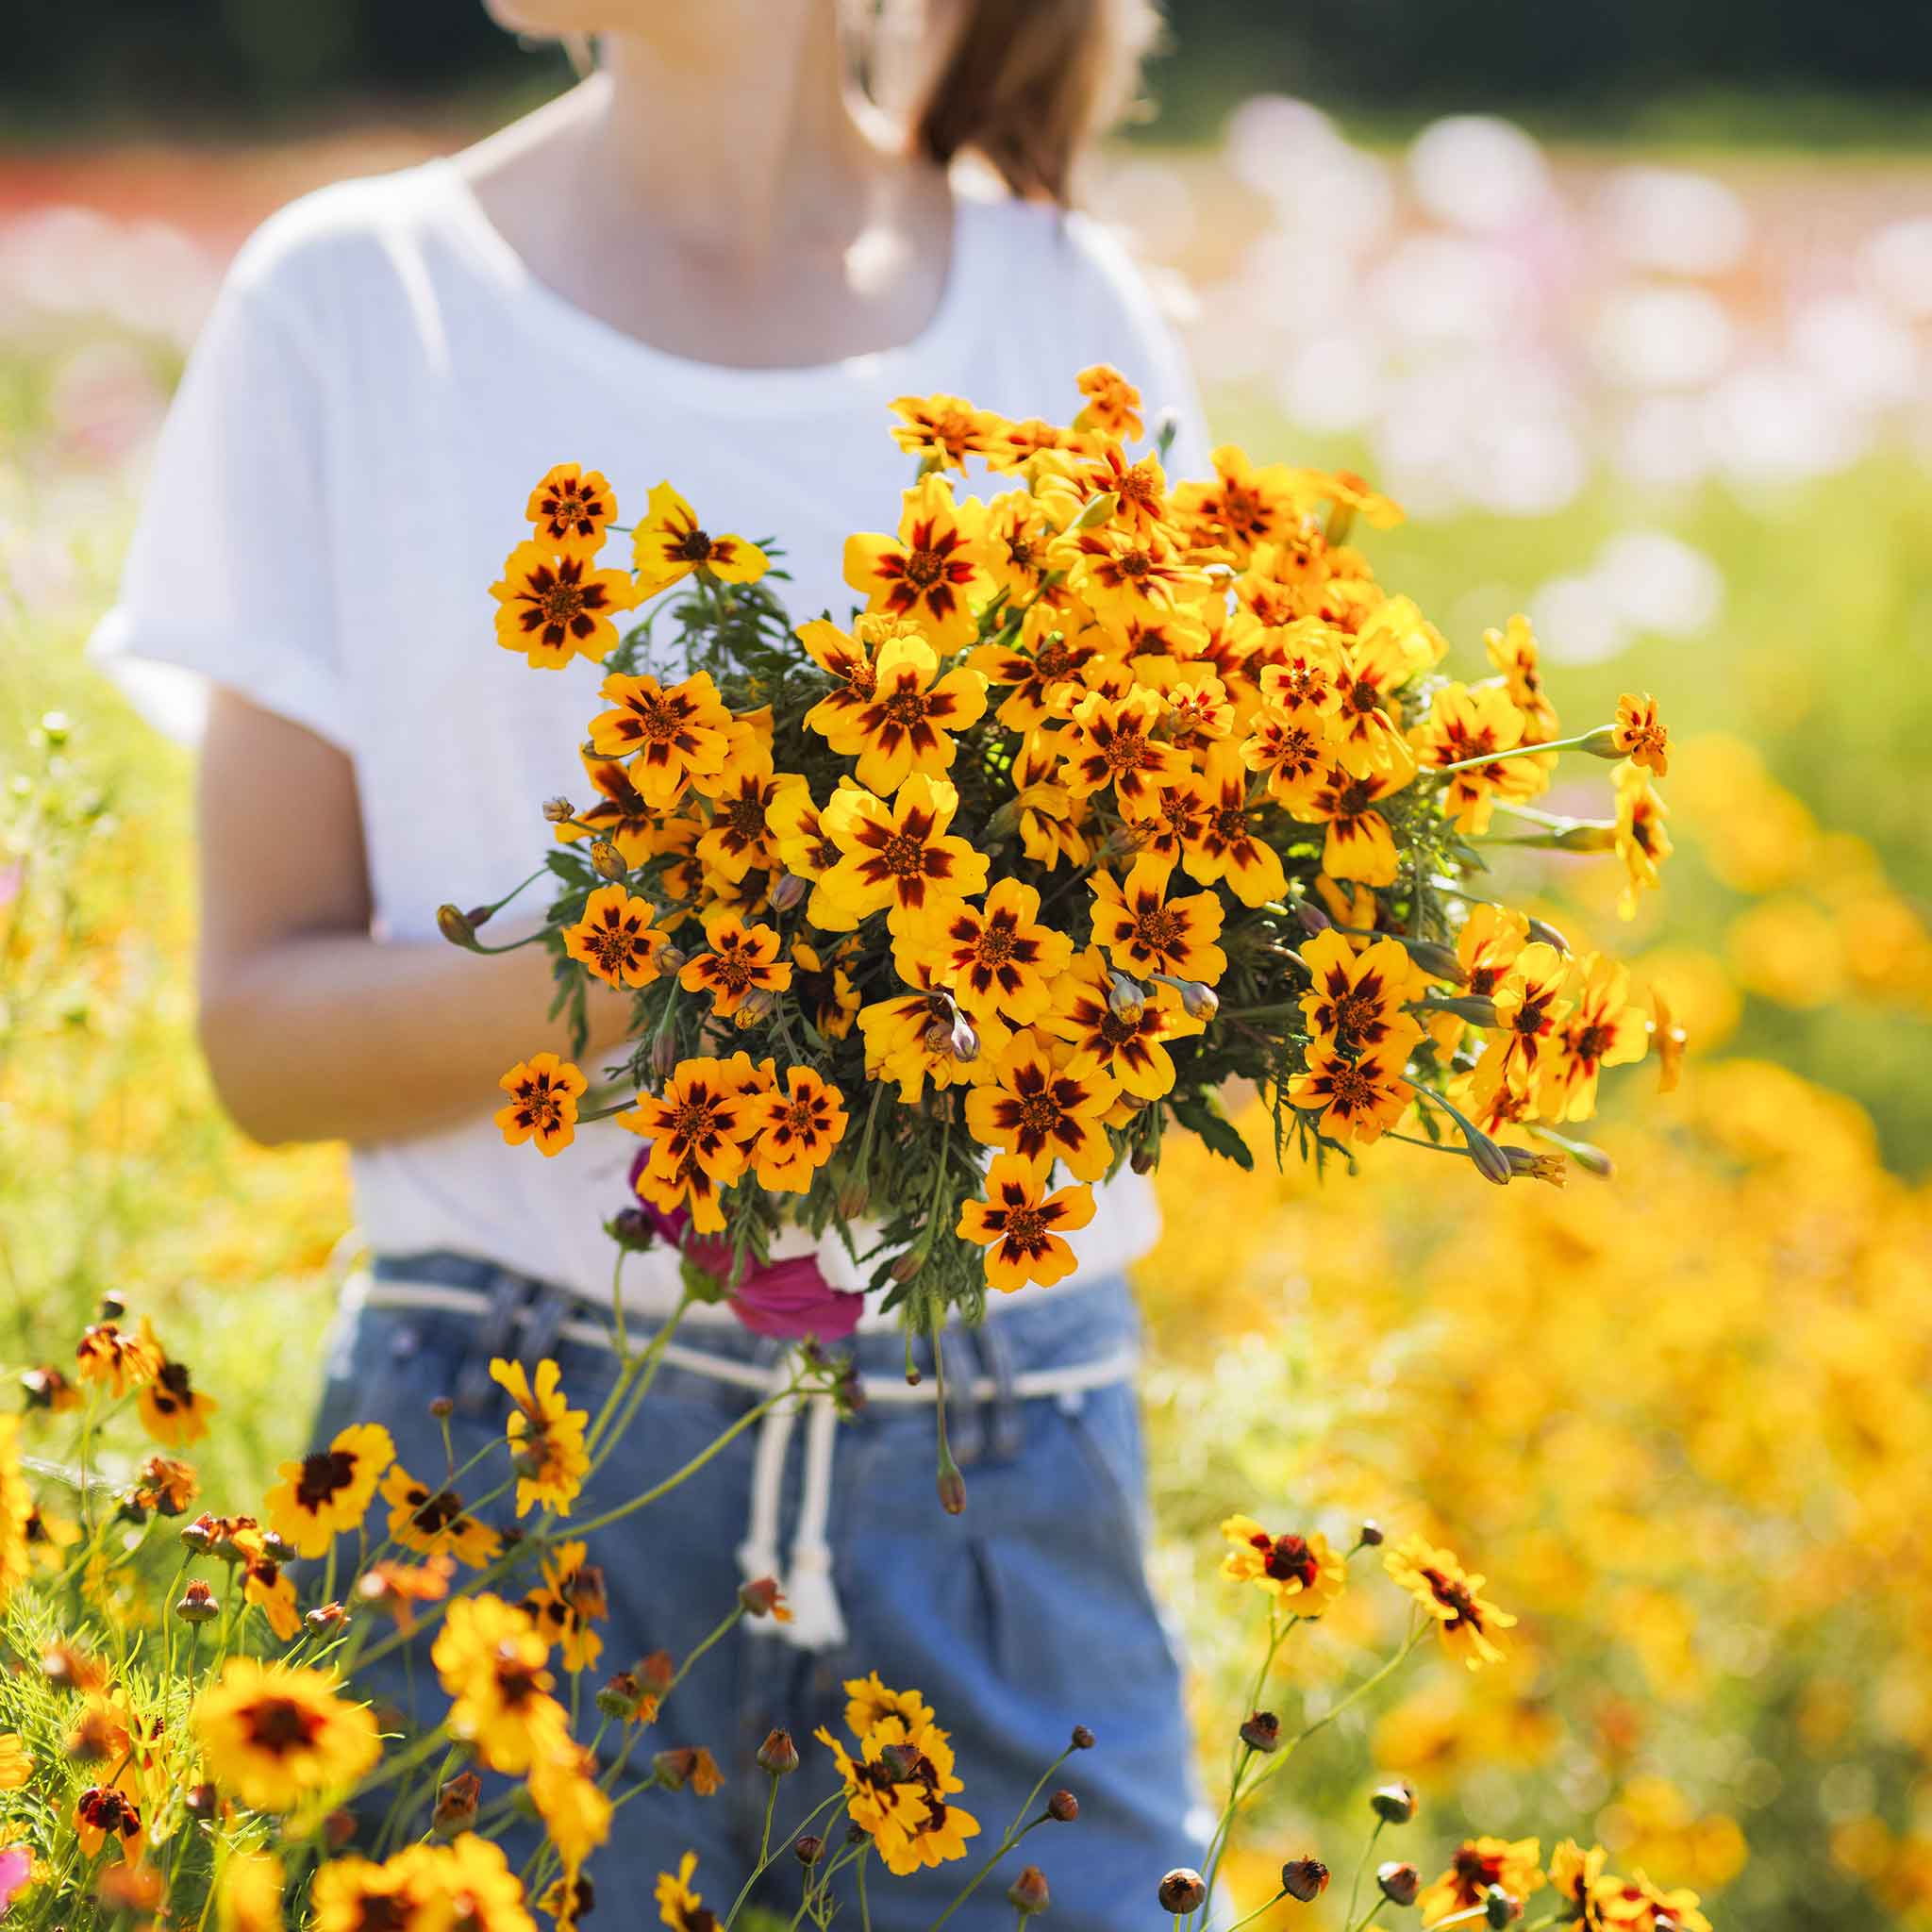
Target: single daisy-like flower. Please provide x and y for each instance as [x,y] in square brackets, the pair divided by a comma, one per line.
[933,569]
[545,1436]
[1478,1864]
[615,939]
[1298,1571]
[1241,508]
[1640,734]
[329,1491]
[1643,843]
[570,508]
[1110,742]
[1355,999]
[1224,846]
[675,731]
[402,1895]
[1045,1113]
[1357,1098]
[945,430]
[1131,1045]
[433,1522]
[542,1107]
[908,722]
[1113,404]
[172,1410]
[1518,660]
[1452,1597]
[798,1127]
[571,1599]
[870,1702]
[1021,1225]
[670,543]
[120,1361]
[699,1119]
[1045,667]
[996,958]
[272,1736]
[742,960]
[679,1905]
[1530,1006]
[1480,722]
[899,858]
[1146,932]
[1602,1030]
[1359,845]
[490,1658]
[1127,575]
[554,608]
[105,1814]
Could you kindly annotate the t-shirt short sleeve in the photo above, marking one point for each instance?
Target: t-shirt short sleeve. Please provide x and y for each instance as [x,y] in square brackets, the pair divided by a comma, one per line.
[228,578]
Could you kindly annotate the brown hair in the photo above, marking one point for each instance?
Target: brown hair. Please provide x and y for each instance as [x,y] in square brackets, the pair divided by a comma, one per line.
[1028,84]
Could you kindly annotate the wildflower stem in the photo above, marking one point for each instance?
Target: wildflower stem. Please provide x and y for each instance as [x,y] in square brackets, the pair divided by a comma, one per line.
[1361,1865]
[999,1852]
[1515,751]
[1039,1786]
[425,1748]
[689,1469]
[1250,1918]
[791,1838]
[644,1370]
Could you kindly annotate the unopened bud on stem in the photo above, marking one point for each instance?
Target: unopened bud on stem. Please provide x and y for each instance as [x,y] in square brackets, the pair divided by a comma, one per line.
[1182,1890]
[609,861]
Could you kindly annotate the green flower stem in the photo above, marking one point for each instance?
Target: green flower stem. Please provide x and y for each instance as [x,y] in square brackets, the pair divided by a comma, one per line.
[689,1469]
[425,1748]
[791,1838]
[641,1369]
[1361,1865]
[1515,751]
[999,1852]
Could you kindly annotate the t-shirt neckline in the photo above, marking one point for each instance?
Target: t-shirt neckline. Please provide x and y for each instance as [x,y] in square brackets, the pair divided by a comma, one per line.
[722,384]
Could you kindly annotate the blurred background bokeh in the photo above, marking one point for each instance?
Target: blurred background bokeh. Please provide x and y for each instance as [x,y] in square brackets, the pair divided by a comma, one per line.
[1632,308]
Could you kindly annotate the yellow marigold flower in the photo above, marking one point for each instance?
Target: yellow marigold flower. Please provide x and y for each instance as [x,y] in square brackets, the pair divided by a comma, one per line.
[1199,712]
[48,1388]
[119,1361]
[846,659]
[615,939]
[1304,669]
[798,1128]
[16,1762]
[869,1702]
[105,1812]
[1530,1007]
[273,1737]
[491,1660]
[1367,726]
[1113,404]
[16,1511]
[805,848]
[945,430]
[907,724]
[1640,734]
[1132,1051]
[1110,742]
[1017,546]
[543,1092]
[545,1436]
[249,1895]
[1301,576]
[570,508]
[742,960]
[1145,931]
[823,989]
[569,1602]
[1019,1225]
[476,1889]
[1360,846]
[1052,819]
[266,1585]
[402,1895]
[1514,653]
[1293,748]
[675,732]
[1346,491]
[555,609]
[172,1410]
[1354,1001]
[1574,1874]
[899,857]
[997,959]
[934,570]
[678,1905]
[741,839]
[569,1899]
[432,1521]
[699,1118]
[1488,946]
[1045,667]
[1129,576]
[1635,1904]
[1357,1098]
[399,1588]
[1478,722]
[668,544]
[330,1492]
[1014,445]
[1603,1029]
[1454,1597]
[1069,482]
[1479,1863]
[1045,1113]
[575,1809]
[1224,846]
[1301,1571]
[909,1038]
[1643,843]
[1242,508]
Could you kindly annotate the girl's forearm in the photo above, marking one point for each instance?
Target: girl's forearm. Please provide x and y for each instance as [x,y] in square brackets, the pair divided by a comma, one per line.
[336,1036]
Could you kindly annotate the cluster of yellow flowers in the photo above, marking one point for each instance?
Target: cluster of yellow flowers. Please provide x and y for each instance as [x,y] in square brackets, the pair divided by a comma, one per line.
[1151,785]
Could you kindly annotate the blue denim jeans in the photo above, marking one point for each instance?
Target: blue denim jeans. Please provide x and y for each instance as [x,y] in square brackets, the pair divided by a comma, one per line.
[1028,1614]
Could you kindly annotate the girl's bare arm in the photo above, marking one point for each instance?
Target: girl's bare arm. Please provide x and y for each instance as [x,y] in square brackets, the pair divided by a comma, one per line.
[312,1029]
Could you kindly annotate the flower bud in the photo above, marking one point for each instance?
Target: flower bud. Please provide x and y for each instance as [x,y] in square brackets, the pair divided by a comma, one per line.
[441,1409]
[1439,962]
[1491,1161]
[1499,1907]
[453,924]
[1027,1895]
[1399,1882]
[664,1054]
[113,1306]
[1099,511]
[1263,1731]
[1144,1159]
[673,1768]
[1182,1890]
[963,1043]
[1063,1807]
[1602,743]
[953,1493]
[1591,1160]
[778,1755]
[789,891]
[754,1009]
[1584,838]
[1393,1804]
[1477,1010]
[455,1804]
[901,1762]
[559,810]
[808,1848]
[618,1698]
[669,960]
[1199,1001]
[609,861]
[1125,998]
[854,1198]
[339,1829]
[760,1596]
[1544,932]
[197,1604]
[45,1388]
[1082,1739]
[1538,1167]
[325,1618]
[1305,1880]
[201,1801]
[1310,918]
[907,1266]
[199,1535]
[1370,1535]
[658,1671]
[480,915]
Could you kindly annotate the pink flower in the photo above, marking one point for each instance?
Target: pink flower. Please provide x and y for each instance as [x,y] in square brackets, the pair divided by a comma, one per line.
[788,1299]
[16,1863]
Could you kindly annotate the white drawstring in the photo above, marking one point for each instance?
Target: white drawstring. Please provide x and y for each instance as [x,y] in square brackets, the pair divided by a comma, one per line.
[818,1621]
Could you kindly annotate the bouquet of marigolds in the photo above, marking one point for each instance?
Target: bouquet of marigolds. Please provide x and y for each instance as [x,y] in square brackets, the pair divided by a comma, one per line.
[183,1740]
[1111,791]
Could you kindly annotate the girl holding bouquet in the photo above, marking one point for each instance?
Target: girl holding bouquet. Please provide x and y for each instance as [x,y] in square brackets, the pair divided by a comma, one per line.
[715,262]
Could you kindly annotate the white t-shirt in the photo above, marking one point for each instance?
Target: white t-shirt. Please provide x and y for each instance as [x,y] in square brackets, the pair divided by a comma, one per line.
[345,469]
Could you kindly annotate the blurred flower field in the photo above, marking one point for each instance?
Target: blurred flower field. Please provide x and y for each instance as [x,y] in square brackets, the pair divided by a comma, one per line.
[1682,1420]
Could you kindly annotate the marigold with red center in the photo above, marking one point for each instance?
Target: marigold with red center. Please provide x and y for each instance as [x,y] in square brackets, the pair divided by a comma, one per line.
[615,939]
[434,1522]
[172,1410]
[1199,712]
[1366,725]
[1071,481]
[1490,943]
[668,734]
[1603,1029]
[1018,546]
[1292,749]
[899,858]
[740,837]
[743,959]
[998,959]
[109,1355]
[1144,931]
[1019,1224]
[1225,847]
[1129,575]
[1133,1051]
[490,1660]
[1479,1863]
[934,570]
[1359,845]
[1452,1597]
[846,659]
[1354,998]
[945,430]
[555,609]
[1168,822]
[1640,734]
[1300,1570]
[1638,1905]
[273,1737]
[1045,1113]
[896,1792]
[544,1093]
[329,1491]
[1518,660]
[1113,404]
[910,1038]
[1643,843]
[1480,722]
[699,1118]
[908,722]
[797,1127]
[402,1894]
[571,1600]
[670,543]
[105,1812]
[1018,443]
[267,1586]
[1110,742]
[1357,1098]
[544,1435]
[1242,507]
[571,507]
[1530,1007]
[1045,667]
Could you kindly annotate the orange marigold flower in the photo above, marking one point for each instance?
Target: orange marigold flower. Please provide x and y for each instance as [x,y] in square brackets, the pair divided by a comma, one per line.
[1641,841]
[433,1523]
[1359,845]
[700,1118]
[543,1092]
[908,722]
[1603,1029]
[1045,1113]
[1132,1050]
[1357,1098]
[1478,1864]
[570,508]
[571,1599]
[1480,722]
[1242,508]
[1111,741]
[1530,1006]
[103,1812]
[545,1434]
[1299,1571]
[1515,654]
[945,430]
[742,960]
[668,544]
[899,858]
[1147,932]
[1225,846]
[1355,999]
[1019,1224]
[1113,404]
[172,1410]
[1129,575]
[997,959]
[1453,1597]
[797,1127]
[107,1354]
[1046,667]
[554,608]
[933,569]
[675,732]
[1640,734]
[615,939]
